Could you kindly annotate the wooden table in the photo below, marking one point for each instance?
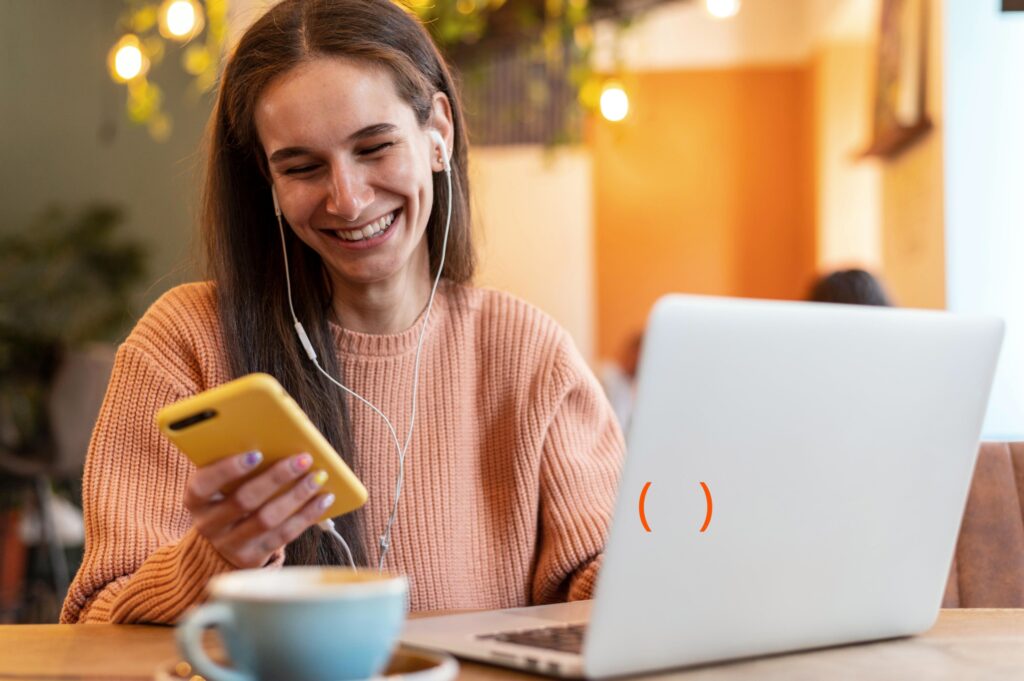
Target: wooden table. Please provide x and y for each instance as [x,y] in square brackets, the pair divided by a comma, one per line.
[964,644]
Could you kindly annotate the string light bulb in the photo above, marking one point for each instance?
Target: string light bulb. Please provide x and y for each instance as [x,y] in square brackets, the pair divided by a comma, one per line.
[126,60]
[723,9]
[614,102]
[180,20]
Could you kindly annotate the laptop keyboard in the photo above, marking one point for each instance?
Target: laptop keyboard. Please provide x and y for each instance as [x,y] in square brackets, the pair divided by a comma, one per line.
[566,638]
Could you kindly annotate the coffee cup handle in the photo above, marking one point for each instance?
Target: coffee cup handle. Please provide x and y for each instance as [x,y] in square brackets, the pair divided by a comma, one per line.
[190,641]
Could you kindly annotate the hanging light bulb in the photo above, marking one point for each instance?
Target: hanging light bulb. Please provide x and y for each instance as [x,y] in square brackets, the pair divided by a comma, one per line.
[126,59]
[180,20]
[723,9]
[614,102]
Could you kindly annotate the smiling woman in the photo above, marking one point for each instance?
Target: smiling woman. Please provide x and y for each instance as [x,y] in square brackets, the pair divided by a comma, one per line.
[355,181]
[327,201]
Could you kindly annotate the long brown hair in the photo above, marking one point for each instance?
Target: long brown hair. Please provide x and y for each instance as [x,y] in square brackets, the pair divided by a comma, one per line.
[242,244]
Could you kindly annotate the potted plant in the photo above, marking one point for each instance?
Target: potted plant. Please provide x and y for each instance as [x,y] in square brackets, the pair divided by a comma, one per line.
[67,280]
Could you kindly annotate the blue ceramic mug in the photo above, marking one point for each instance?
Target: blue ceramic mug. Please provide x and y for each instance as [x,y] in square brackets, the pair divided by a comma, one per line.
[298,623]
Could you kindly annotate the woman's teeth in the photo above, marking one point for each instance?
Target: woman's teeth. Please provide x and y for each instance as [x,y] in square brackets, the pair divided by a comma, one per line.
[370,230]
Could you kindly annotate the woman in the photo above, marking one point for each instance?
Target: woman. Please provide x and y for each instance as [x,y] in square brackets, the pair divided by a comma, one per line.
[331,106]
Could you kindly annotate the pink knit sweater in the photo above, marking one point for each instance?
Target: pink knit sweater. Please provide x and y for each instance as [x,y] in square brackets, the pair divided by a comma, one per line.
[509,481]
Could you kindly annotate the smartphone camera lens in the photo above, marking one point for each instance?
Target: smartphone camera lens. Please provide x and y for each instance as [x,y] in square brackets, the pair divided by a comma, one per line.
[193,420]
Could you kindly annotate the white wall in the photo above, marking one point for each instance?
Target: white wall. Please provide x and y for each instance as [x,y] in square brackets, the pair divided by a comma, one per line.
[984,141]
[913,210]
[849,213]
[683,35]
[849,188]
[842,20]
[534,213]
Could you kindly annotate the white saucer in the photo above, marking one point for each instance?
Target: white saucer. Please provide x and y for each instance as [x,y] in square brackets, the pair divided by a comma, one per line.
[407,664]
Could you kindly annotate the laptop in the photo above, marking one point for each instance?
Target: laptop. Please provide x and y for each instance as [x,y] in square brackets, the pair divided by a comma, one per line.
[795,478]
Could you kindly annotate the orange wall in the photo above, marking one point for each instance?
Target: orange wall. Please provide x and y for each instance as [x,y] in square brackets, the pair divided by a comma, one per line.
[706,187]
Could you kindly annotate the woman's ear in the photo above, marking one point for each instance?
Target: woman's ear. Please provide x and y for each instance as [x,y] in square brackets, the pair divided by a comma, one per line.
[441,120]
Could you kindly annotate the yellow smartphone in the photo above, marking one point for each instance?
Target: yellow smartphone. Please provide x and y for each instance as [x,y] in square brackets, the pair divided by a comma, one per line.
[255,413]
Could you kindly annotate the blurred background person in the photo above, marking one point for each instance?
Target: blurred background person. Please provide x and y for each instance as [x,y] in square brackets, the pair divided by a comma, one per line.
[618,378]
[853,287]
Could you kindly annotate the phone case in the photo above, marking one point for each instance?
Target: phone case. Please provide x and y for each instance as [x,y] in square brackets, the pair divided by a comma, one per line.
[255,413]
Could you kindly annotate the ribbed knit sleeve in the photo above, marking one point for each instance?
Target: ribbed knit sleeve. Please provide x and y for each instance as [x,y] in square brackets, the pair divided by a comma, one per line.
[142,561]
[581,460]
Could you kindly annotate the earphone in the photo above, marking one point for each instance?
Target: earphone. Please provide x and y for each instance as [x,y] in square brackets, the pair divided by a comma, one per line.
[328,525]
[443,148]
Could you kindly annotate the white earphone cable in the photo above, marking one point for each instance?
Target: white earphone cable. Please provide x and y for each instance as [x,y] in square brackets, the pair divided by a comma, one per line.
[385,539]
[328,526]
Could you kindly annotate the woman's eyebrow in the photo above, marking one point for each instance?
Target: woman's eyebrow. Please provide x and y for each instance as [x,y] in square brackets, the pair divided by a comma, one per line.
[373,130]
[287,153]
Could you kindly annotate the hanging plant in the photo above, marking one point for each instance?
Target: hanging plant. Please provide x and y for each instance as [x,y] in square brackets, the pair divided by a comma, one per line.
[544,46]
[192,31]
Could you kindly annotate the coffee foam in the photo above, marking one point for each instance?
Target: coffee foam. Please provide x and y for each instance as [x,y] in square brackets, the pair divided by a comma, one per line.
[304,583]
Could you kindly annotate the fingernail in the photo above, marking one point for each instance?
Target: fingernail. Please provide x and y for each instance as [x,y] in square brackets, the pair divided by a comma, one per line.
[302,462]
[326,501]
[317,479]
[252,459]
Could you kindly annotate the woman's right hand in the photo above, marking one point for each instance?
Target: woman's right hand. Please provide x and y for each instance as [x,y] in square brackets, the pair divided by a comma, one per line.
[248,525]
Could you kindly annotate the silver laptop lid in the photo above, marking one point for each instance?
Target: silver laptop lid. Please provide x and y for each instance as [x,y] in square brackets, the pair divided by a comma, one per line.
[837,445]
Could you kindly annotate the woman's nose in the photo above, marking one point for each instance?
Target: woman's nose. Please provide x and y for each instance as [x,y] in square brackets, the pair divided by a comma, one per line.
[349,194]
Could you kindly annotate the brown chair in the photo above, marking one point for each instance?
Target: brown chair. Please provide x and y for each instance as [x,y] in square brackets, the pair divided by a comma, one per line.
[988,566]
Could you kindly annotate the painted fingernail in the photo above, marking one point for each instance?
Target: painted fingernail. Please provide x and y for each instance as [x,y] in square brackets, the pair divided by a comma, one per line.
[326,501]
[252,459]
[317,479]
[302,462]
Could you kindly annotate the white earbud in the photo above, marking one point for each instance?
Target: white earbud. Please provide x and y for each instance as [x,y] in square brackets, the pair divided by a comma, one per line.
[277,206]
[439,141]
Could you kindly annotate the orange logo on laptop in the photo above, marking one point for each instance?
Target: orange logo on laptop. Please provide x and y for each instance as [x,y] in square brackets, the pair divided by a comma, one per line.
[707,496]
[643,516]
[707,518]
